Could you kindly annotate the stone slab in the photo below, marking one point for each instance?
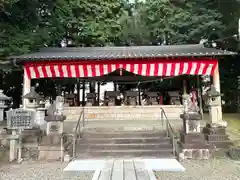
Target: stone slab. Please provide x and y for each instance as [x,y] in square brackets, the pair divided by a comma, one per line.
[118,173]
[129,170]
[106,173]
[171,165]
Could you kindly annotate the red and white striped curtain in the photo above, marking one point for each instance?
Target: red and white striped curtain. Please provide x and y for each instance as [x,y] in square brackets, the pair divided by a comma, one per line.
[85,68]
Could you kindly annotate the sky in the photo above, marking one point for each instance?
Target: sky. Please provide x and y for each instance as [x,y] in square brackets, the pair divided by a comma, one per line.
[132,1]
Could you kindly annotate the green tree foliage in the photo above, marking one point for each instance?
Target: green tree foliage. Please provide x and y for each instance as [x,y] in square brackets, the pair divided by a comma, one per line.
[29,24]
[179,22]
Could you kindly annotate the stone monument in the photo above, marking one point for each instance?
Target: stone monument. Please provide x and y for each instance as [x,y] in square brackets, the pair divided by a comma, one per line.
[152,98]
[69,99]
[192,141]
[131,98]
[110,97]
[91,99]
[19,120]
[174,97]
[3,99]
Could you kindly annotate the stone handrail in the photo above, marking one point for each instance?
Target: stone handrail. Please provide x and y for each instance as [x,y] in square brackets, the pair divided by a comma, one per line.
[170,132]
[78,128]
[75,135]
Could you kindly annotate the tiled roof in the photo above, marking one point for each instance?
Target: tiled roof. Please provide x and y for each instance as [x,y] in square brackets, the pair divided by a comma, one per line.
[98,53]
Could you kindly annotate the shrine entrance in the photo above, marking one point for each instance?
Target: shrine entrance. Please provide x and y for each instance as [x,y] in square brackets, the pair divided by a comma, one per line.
[123,85]
[99,65]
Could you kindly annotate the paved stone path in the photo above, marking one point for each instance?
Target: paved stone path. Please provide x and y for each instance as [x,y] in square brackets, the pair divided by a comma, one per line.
[124,170]
[129,169]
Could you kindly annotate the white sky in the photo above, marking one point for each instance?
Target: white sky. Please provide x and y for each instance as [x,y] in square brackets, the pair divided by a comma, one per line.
[132,1]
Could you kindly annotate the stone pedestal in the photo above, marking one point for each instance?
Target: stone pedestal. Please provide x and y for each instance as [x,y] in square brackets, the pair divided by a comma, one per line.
[193,146]
[50,148]
[216,137]
[54,124]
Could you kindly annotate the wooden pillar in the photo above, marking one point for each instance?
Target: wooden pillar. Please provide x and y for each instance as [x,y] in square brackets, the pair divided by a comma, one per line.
[115,86]
[78,92]
[139,96]
[98,91]
[200,95]
[26,87]
[184,86]
[83,94]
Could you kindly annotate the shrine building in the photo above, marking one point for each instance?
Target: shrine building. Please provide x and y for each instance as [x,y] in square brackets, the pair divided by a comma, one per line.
[122,64]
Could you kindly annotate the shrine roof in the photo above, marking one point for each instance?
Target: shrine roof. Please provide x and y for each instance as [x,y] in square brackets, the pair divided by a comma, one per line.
[129,52]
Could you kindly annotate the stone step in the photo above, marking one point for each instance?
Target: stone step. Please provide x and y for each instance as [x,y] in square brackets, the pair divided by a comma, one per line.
[113,128]
[120,157]
[124,134]
[156,146]
[122,125]
[123,140]
[130,153]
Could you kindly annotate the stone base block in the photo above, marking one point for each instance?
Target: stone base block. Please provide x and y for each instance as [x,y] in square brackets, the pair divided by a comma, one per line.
[51,140]
[217,137]
[194,154]
[49,152]
[196,145]
[192,138]
[221,144]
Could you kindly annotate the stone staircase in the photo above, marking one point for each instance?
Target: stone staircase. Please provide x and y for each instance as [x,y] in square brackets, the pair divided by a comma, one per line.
[126,143]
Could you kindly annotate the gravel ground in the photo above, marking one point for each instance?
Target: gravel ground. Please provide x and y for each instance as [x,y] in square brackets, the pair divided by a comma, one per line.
[216,169]
[40,171]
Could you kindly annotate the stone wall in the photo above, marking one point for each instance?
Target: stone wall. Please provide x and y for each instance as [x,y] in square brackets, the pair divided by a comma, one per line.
[123,112]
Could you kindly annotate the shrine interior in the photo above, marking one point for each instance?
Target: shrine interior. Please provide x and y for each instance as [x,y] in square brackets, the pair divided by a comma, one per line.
[120,88]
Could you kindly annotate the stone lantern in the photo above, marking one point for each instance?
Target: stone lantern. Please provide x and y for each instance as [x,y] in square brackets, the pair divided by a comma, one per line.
[213,94]
[33,99]
[33,102]
[215,114]
[3,99]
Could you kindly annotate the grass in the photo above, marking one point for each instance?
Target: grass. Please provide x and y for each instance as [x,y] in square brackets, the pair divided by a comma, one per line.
[233,128]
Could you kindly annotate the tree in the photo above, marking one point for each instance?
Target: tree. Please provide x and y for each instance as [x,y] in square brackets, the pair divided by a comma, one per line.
[180,23]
